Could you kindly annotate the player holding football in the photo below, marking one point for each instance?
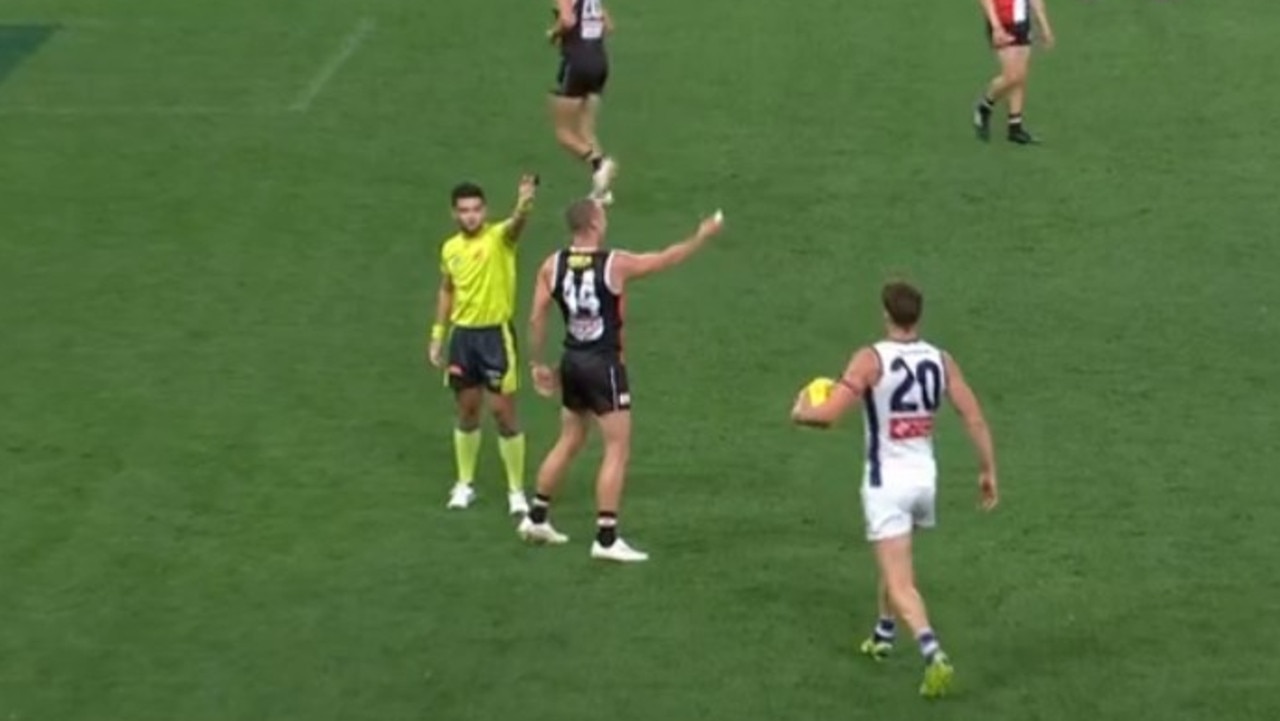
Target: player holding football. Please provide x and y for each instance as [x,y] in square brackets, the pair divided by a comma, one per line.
[477,297]
[1009,30]
[579,31]
[587,282]
[900,382]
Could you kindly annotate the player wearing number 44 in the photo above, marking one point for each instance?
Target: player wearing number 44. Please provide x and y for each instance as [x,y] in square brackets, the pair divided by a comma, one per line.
[900,382]
[587,281]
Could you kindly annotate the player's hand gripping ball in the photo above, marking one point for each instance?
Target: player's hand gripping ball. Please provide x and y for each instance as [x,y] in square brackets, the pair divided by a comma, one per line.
[819,390]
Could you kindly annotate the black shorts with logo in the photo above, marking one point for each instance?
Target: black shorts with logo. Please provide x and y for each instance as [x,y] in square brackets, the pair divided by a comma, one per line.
[483,357]
[594,382]
[1021,33]
[582,74]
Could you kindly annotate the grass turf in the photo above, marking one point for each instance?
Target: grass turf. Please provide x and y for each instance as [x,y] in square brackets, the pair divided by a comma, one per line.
[223,465]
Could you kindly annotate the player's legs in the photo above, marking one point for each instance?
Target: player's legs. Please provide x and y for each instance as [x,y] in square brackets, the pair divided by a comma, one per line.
[893,556]
[501,364]
[574,107]
[1015,61]
[880,643]
[587,122]
[573,436]
[606,170]
[1013,67]
[566,116]
[536,527]
[469,400]
[511,448]
[465,376]
[609,545]
[897,577]
[1012,62]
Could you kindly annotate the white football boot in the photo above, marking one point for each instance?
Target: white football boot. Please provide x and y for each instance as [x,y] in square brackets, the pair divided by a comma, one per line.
[540,533]
[460,497]
[517,504]
[602,179]
[619,552]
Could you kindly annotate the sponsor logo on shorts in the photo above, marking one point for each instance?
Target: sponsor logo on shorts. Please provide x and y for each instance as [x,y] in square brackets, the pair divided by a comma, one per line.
[904,428]
[624,400]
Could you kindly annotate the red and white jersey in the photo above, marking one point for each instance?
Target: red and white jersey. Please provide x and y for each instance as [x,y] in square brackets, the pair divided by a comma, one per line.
[1012,12]
[899,412]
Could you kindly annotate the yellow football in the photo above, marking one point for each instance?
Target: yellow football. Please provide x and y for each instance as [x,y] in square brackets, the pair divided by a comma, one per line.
[819,390]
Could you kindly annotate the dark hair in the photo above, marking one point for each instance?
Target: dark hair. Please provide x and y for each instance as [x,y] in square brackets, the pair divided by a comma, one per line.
[903,302]
[581,214]
[463,191]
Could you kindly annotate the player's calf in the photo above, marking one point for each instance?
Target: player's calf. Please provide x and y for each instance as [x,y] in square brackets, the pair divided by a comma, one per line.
[609,546]
[511,448]
[466,447]
[567,117]
[896,568]
[536,527]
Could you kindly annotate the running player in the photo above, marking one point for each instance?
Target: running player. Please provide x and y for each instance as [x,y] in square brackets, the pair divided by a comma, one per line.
[478,297]
[1009,30]
[587,282]
[900,382]
[580,30]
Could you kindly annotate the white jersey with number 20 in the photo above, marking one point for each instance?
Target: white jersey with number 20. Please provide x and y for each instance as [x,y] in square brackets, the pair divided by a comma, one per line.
[899,412]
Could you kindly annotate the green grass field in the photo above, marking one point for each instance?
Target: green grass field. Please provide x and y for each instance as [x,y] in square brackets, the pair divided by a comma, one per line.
[224,465]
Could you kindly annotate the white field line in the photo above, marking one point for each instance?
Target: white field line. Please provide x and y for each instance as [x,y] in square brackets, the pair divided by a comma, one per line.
[350,44]
[107,110]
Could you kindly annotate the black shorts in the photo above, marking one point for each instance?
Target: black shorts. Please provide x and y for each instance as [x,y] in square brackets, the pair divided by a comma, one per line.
[594,383]
[1021,33]
[483,357]
[581,76]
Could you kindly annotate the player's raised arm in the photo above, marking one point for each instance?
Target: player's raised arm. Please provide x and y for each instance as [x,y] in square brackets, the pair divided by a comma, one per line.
[524,206]
[966,404]
[444,307]
[859,375]
[635,265]
[543,381]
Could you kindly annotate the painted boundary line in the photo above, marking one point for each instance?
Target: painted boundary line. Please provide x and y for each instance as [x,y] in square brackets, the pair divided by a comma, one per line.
[106,110]
[350,44]
[71,22]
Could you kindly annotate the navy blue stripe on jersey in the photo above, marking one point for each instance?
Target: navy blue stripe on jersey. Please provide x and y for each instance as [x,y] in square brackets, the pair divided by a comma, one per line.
[873,439]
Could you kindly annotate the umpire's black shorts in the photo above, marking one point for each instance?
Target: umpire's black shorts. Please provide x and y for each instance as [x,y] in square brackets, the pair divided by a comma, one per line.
[483,357]
[594,382]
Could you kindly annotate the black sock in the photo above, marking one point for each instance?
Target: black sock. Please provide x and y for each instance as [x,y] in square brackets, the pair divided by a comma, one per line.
[606,528]
[1015,121]
[595,159]
[541,507]
[884,630]
[986,105]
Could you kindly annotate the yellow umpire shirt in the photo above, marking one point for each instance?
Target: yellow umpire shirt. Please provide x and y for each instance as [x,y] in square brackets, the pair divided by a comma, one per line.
[482,269]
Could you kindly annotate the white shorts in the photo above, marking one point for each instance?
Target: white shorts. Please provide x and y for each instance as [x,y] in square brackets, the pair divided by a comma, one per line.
[896,509]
